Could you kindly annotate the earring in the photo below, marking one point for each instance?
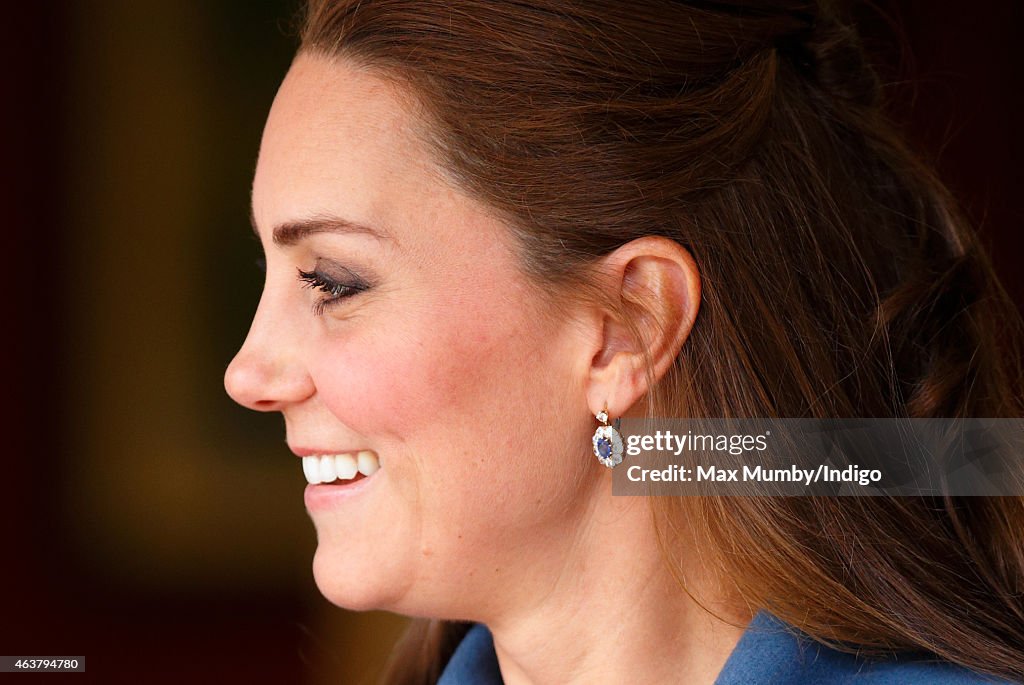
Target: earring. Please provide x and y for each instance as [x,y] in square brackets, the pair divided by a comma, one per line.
[607,441]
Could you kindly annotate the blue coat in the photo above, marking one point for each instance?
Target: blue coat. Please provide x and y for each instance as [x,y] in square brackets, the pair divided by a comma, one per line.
[770,652]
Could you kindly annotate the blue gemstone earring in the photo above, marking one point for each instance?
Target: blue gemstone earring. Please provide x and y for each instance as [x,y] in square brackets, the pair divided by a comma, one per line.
[607,441]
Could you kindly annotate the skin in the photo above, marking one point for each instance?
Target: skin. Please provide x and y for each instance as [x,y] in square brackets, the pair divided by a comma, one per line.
[489,505]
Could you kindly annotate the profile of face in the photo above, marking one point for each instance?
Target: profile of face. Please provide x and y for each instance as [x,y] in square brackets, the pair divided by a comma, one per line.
[395,319]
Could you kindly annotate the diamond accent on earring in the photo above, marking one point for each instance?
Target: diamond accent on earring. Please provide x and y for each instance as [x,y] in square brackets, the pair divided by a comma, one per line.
[602,416]
[608,446]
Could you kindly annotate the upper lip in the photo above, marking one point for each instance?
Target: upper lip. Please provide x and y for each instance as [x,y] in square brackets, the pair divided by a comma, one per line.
[317,452]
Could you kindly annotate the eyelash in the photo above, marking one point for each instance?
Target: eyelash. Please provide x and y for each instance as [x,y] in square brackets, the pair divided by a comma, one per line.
[336,292]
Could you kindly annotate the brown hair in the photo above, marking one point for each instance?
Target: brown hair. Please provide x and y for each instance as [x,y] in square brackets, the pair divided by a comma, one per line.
[839,277]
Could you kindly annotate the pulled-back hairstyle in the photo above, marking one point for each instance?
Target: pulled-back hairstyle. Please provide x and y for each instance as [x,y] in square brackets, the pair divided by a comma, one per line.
[840,279]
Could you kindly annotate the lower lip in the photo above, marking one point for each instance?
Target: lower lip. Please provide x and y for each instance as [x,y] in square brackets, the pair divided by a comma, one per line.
[329,495]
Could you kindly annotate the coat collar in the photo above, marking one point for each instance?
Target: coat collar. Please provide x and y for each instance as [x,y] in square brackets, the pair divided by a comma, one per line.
[770,652]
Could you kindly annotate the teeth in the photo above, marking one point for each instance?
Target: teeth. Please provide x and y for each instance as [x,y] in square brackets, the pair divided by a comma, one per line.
[368,463]
[345,465]
[327,468]
[311,467]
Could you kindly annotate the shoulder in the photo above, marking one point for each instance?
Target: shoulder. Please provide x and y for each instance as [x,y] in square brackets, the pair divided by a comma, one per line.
[933,673]
[848,668]
[771,651]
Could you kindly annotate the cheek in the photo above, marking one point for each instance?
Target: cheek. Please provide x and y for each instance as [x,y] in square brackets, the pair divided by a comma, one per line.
[369,386]
[390,381]
[457,398]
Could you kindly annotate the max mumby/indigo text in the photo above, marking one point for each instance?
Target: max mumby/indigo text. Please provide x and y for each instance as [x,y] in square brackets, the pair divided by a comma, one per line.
[793,474]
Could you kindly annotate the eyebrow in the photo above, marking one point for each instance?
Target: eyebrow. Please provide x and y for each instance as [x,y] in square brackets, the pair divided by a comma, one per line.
[290,233]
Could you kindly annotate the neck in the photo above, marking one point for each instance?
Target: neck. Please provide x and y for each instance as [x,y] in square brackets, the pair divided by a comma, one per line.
[603,606]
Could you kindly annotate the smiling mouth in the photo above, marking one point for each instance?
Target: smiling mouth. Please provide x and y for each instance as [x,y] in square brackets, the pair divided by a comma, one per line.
[339,468]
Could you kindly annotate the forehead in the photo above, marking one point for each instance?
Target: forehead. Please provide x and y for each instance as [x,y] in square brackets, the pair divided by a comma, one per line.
[339,139]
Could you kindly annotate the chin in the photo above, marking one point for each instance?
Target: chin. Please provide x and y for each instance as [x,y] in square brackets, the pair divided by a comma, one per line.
[355,587]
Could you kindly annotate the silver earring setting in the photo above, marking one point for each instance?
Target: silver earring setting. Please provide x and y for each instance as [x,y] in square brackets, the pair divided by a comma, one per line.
[607,441]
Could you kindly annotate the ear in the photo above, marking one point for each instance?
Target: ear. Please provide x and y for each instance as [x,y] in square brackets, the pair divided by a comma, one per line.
[657,285]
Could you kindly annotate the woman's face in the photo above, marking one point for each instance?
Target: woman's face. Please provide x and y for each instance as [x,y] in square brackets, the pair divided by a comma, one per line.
[441,362]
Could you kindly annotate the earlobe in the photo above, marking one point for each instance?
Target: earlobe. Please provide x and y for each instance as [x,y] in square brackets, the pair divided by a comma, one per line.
[657,283]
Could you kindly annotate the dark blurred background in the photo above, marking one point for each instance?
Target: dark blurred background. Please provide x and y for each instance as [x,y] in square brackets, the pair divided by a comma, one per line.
[149,523]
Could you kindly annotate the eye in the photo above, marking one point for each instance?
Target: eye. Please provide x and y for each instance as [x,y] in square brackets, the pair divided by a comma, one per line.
[335,289]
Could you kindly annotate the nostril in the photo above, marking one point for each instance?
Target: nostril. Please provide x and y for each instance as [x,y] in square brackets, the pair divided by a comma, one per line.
[265,405]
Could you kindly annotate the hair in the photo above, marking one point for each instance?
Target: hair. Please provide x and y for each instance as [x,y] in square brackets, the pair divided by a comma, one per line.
[840,278]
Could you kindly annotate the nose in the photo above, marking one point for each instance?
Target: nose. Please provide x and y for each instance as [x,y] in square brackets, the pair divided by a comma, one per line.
[267,373]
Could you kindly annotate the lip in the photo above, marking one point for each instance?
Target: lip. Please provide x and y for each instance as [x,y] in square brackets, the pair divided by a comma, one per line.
[327,496]
[319,452]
